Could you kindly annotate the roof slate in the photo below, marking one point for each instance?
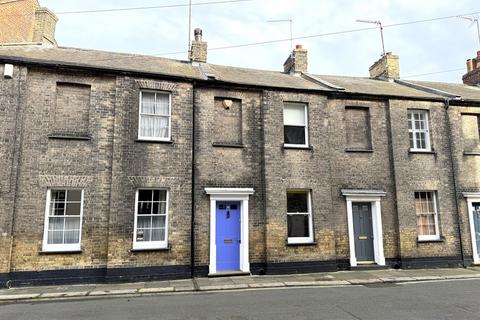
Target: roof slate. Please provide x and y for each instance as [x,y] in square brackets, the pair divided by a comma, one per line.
[360,85]
[466,92]
[85,58]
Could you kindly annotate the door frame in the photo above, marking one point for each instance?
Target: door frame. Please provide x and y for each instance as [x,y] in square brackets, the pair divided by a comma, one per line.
[471,198]
[373,197]
[241,195]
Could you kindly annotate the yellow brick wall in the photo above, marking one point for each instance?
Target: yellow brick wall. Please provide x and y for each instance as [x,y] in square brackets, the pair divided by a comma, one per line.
[17,20]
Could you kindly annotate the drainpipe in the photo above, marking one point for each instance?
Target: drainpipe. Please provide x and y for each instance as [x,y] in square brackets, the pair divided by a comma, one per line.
[17,156]
[192,223]
[454,176]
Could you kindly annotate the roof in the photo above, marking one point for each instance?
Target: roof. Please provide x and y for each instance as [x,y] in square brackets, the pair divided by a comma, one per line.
[95,59]
[464,91]
[363,85]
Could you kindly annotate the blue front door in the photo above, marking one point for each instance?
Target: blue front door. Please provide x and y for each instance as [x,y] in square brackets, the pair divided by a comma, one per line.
[228,235]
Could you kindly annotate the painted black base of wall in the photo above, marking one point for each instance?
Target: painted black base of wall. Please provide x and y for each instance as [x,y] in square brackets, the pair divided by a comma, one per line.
[200,271]
[112,275]
[431,262]
[301,267]
[94,275]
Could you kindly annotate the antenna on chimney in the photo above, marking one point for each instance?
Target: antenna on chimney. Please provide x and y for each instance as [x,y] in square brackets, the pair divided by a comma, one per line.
[474,21]
[291,31]
[189,27]
[379,24]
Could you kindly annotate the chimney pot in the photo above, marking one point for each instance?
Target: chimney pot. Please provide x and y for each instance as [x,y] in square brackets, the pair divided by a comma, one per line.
[198,34]
[472,77]
[469,65]
[298,46]
[198,49]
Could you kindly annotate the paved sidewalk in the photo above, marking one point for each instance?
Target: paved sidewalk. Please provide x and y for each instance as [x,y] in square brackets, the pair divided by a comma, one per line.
[327,279]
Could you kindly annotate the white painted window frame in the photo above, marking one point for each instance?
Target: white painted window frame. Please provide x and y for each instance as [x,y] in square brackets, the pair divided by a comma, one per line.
[426,131]
[436,236]
[309,239]
[169,138]
[139,245]
[373,197]
[287,123]
[230,194]
[472,197]
[46,247]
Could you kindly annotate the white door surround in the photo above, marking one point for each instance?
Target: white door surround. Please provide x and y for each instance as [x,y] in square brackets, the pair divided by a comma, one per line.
[373,197]
[230,194]
[471,198]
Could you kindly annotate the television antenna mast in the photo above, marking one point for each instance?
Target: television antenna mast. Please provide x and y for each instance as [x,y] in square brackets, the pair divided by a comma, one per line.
[189,28]
[474,21]
[379,24]
[291,29]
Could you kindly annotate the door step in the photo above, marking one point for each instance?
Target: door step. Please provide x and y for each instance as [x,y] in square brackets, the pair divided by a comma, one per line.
[228,274]
[361,267]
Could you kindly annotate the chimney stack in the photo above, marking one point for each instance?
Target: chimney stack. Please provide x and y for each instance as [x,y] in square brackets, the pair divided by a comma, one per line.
[45,25]
[198,50]
[472,77]
[25,22]
[297,62]
[386,68]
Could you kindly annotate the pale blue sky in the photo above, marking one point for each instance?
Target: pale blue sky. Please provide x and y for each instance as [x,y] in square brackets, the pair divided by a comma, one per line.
[423,48]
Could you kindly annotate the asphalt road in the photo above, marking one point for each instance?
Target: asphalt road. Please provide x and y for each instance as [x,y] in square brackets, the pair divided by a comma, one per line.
[420,300]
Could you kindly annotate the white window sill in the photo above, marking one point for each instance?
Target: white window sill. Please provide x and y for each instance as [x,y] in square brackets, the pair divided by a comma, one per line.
[430,239]
[299,244]
[428,151]
[150,247]
[61,249]
[297,146]
[300,241]
[166,141]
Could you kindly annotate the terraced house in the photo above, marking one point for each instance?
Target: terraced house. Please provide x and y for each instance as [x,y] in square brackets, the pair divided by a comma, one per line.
[118,167]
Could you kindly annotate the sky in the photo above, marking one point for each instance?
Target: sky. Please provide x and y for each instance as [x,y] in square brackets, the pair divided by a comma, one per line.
[424,48]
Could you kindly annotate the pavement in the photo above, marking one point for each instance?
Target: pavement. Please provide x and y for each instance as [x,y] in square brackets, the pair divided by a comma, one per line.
[325,279]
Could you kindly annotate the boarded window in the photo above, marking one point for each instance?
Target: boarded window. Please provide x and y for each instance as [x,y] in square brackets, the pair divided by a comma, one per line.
[471,134]
[227,126]
[357,122]
[72,108]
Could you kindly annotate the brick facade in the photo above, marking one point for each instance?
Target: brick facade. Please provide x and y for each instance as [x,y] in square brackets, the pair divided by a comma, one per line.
[66,128]
[25,22]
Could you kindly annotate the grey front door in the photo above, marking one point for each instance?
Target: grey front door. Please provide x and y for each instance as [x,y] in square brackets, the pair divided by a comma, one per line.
[476,221]
[363,231]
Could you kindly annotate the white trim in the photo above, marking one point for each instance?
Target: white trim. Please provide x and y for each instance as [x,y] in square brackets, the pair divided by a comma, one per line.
[365,193]
[435,236]
[230,194]
[286,123]
[169,115]
[425,131]
[46,247]
[150,244]
[471,198]
[309,239]
[354,195]
[236,192]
